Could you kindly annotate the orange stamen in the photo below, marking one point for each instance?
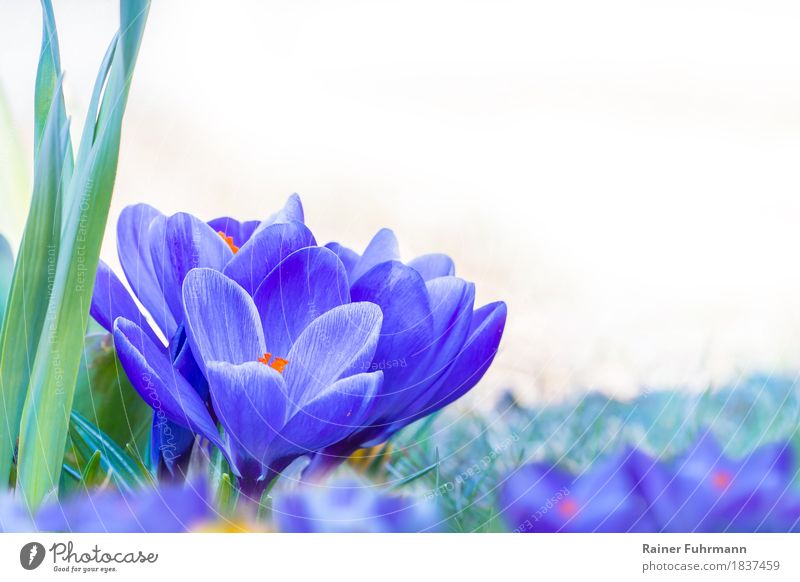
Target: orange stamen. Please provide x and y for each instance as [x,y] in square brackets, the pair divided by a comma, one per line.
[277,364]
[229,240]
[721,479]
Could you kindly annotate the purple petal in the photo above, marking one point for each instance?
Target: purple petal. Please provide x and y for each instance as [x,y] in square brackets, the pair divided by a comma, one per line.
[240,232]
[133,247]
[179,244]
[382,248]
[339,343]
[291,211]
[433,266]
[159,384]
[110,299]
[170,443]
[306,284]
[265,250]
[333,414]
[348,257]
[407,320]
[471,363]
[250,402]
[222,323]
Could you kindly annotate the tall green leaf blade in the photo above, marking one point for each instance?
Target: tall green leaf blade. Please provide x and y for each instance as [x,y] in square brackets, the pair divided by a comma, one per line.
[6,271]
[45,416]
[30,285]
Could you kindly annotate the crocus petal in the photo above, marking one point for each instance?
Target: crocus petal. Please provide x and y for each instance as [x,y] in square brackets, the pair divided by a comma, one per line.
[291,211]
[306,284]
[250,402]
[348,257]
[240,232]
[451,300]
[433,266]
[333,414]
[170,444]
[110,299]
[469,365]
[184,361]
[407,320]
[265,250]
[222,323]
[383,247]
[179,244]
[133,247]
[159,384]
[340,342]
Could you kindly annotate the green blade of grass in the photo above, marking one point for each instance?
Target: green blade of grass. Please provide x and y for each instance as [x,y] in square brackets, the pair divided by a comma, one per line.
[6,271]
[30,284]
[126,472]
[46,413]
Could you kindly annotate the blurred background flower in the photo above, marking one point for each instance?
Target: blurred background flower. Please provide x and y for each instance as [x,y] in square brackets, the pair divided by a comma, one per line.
[351,505]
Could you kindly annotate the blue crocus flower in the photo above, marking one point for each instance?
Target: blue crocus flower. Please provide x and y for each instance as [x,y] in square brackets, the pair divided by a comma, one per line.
[285,367]
[703,490]
[540,497]
[433,347]
[14,515]
[349,506]
[156,252]
[170,508]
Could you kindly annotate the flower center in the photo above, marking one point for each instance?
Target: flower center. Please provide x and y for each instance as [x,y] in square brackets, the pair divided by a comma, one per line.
[229,240]
[721,479]
[277,364]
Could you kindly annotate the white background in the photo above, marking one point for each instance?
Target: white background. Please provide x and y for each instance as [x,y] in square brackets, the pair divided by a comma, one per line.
[623,173]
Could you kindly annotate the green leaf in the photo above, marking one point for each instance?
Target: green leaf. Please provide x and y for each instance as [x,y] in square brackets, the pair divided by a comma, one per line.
[34,270]
[416,475]
[92,473]
[45,416]
[105,397]
[87,439]
[6,271]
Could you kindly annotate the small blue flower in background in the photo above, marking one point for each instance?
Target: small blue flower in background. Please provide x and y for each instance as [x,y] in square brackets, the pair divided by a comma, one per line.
[540,497]
[14,516]
[168,509]
[703,490]
[433,347]
[347,505]
[156,252]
